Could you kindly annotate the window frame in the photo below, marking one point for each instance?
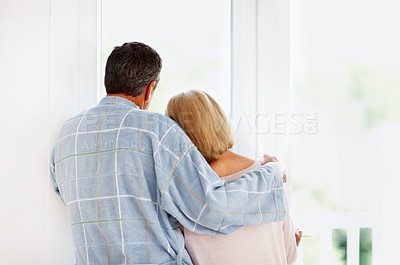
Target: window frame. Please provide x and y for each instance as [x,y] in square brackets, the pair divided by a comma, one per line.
[261,76]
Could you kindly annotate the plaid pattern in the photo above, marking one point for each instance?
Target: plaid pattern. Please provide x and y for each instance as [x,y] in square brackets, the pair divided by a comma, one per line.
[128,177]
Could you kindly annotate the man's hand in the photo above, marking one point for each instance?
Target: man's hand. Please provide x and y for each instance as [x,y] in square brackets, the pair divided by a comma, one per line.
[267,158]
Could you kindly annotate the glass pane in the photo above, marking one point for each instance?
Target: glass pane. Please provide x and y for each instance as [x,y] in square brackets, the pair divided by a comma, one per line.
[191,36]
[346,70]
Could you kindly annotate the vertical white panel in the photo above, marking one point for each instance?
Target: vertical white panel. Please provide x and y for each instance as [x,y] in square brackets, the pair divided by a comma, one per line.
[243,105]
[87,53]
[273,81]
[325,246]
[24,131]
[99,45]
[63,102]
[72,88]
[353,245]
[261,76]
[273,76]
[376,243]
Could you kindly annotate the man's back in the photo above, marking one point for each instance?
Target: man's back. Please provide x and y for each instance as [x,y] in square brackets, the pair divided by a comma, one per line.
[128,178]
[106,177]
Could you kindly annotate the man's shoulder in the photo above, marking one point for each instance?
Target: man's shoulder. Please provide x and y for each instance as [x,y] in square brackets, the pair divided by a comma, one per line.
[156,117]
[78,115]
[152,123]
[156,122]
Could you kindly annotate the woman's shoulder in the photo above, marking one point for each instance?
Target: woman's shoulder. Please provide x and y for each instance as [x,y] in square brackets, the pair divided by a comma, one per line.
[230,163]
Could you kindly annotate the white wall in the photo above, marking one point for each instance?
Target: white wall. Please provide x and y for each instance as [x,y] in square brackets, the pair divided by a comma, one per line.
[47,73]
[24,131]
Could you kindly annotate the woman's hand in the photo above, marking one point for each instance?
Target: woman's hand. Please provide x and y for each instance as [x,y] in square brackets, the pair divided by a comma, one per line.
[267,158]
[298,235]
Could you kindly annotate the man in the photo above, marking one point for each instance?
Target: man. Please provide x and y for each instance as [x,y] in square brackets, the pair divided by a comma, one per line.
[129,177]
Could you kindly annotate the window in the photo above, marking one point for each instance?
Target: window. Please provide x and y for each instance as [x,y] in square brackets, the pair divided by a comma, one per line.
[335,65]
[191,36]
[345,64]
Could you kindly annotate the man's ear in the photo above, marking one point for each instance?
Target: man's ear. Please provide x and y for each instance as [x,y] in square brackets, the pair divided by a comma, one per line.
[149,91]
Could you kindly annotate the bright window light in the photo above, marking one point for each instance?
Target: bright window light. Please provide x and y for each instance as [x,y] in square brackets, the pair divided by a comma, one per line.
[191,36]
[345,65]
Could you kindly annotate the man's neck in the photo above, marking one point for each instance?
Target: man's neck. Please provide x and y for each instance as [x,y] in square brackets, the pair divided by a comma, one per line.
[139,100]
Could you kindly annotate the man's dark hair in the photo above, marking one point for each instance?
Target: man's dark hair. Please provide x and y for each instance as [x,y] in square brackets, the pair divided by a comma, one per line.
[130,69]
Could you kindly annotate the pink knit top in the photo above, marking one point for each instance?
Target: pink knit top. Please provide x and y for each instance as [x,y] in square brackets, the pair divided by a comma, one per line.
[273,244]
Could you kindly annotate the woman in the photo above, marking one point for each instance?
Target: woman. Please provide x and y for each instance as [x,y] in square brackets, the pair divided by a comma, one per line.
[206,125]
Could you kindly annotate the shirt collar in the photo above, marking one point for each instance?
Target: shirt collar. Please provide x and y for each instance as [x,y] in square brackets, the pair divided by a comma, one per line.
[115,100]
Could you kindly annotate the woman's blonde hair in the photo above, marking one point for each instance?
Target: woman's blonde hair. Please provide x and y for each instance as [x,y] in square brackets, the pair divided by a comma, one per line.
[204,121]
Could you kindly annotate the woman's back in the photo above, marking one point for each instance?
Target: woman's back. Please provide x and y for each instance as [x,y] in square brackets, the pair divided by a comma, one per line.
[204,122]
[273,243]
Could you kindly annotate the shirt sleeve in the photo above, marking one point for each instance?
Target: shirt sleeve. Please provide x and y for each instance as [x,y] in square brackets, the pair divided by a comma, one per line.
[203,203]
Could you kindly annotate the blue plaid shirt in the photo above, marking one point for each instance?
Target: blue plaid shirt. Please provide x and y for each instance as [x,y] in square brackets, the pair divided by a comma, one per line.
[128,177]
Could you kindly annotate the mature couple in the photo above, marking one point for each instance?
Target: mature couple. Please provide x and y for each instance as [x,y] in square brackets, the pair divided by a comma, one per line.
[142,188]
